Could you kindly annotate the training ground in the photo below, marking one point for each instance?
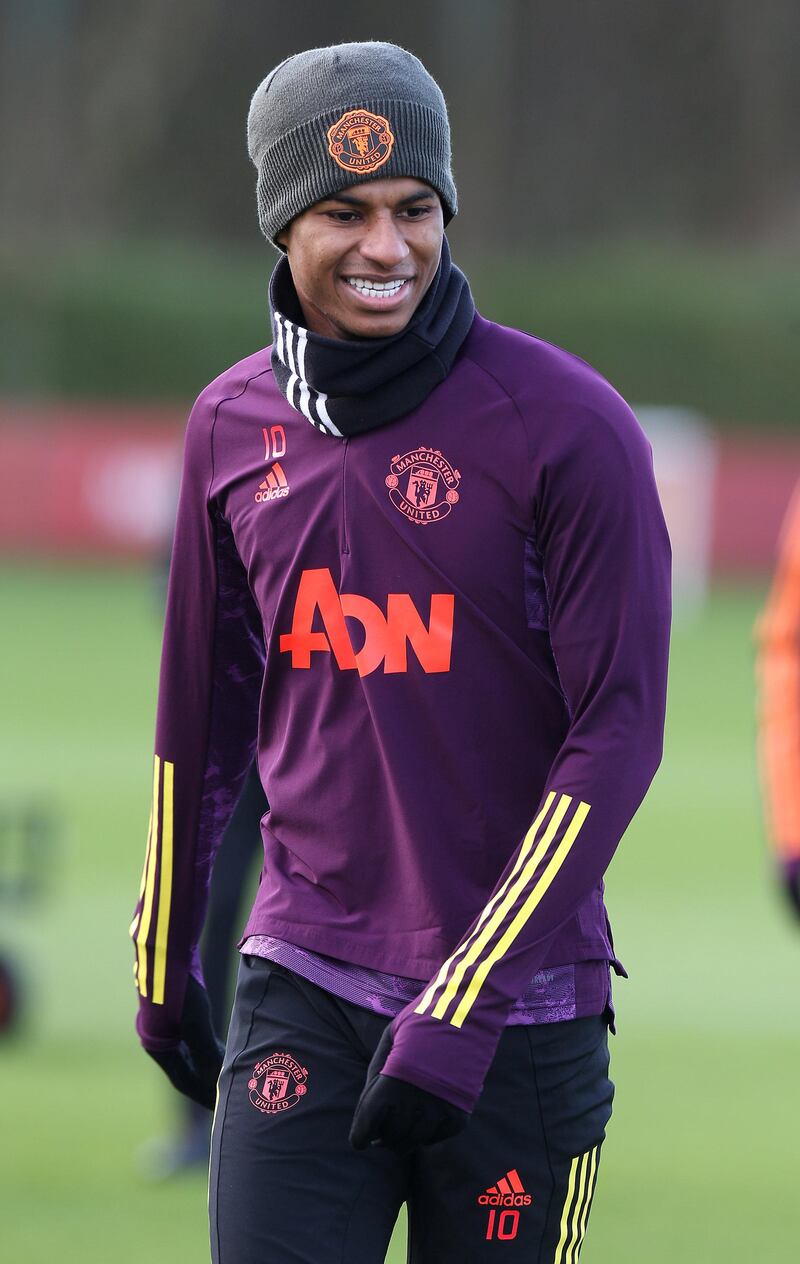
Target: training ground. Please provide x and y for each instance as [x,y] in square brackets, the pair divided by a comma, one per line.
[701,1159]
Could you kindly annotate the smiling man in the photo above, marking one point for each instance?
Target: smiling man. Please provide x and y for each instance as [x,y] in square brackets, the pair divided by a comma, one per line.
[362,261]
[420,570]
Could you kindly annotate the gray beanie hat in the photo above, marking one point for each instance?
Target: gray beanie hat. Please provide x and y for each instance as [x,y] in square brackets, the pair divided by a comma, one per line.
[329,118]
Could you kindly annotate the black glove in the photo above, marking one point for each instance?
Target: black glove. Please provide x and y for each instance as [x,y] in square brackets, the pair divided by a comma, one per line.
[791,885]
[398,1115]
[194,1066]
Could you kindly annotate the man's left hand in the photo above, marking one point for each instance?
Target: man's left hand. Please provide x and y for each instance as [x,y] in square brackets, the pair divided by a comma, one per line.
[398,1115]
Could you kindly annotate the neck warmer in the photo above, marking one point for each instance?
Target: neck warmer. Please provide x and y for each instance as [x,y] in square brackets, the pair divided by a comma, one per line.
[347,386]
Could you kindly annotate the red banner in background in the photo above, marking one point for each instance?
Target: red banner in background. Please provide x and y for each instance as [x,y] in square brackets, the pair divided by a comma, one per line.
[756,476]
[102,481]
[88,481]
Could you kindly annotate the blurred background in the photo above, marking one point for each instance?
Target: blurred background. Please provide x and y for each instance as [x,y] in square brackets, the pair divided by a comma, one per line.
[629,181]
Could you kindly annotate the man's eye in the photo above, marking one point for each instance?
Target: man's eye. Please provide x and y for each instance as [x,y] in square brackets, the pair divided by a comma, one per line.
[342,217]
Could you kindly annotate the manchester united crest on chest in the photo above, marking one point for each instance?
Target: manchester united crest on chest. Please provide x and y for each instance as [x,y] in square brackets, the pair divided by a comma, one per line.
[423,485]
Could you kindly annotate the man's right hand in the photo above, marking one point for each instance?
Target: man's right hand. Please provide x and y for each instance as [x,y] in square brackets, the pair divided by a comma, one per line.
[193,1066]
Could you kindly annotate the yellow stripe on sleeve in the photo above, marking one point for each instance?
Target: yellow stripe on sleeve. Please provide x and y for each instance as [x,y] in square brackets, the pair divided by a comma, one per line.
[149,888]
[164,889]
[535,898]
[527,843]
[479,943]
[562,1240]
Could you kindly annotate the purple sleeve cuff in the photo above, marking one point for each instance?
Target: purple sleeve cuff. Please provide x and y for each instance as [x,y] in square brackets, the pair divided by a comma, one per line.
[397,1069]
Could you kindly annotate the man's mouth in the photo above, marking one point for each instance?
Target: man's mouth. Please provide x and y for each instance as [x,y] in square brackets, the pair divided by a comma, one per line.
[378,292]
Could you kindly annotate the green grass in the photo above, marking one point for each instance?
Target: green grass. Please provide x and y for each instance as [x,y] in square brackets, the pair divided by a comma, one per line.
[700,1164]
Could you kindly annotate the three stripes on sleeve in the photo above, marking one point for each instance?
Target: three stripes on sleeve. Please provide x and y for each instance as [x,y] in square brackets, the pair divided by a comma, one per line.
[458,983]
[543,851]
[149,929]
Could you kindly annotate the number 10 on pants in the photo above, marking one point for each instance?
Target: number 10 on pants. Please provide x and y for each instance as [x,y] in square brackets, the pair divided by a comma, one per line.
[503,1227]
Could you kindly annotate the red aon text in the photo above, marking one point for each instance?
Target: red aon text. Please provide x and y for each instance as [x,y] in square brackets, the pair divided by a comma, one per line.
[386,636]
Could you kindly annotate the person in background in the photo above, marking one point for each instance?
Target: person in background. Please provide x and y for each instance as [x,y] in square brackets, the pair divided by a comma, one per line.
[778,678]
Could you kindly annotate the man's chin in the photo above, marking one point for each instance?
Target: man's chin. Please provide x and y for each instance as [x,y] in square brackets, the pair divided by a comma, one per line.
[373,326]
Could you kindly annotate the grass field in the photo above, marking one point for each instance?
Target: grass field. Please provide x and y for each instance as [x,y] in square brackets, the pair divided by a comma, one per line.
[701,1161]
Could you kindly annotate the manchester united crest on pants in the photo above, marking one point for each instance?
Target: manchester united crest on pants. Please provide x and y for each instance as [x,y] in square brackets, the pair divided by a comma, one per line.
[277,1083]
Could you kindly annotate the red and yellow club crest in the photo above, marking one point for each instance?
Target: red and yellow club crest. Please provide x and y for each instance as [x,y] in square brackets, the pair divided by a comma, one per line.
[360,142]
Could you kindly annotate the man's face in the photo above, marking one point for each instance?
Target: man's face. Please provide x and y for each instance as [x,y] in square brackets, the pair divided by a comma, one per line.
[362,260]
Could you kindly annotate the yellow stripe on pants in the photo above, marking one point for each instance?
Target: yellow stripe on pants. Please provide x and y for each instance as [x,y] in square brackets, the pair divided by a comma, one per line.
[558,1258]
[587,1202]
[575,1212]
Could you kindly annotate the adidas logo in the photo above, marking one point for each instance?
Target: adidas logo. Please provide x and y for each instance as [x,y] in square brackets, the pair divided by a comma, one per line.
[274,486]
[508,1192]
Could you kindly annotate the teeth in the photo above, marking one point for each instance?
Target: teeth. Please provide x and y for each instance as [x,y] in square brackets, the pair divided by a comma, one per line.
[384,289]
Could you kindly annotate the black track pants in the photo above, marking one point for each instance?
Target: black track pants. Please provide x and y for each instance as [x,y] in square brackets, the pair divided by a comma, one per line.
[286,1187]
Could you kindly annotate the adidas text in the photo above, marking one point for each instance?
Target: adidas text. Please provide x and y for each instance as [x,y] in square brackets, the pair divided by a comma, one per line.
[272,493]
[504,1200]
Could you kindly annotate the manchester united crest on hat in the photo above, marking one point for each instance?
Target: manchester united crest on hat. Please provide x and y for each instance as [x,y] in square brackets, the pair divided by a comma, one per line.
[360,141]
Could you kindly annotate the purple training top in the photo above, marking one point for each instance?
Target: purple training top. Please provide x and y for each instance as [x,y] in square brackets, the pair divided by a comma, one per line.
[446,639]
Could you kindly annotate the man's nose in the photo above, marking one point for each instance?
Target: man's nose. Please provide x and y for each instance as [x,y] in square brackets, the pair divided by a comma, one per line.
[383,242]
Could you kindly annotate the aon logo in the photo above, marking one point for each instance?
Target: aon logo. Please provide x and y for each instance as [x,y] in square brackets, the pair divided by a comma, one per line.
[386,636]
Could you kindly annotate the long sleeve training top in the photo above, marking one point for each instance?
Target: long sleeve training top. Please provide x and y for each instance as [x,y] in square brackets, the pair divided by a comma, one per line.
[446,642]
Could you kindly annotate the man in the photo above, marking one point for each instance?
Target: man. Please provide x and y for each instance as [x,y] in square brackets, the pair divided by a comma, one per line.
[420,564]
[778,669]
